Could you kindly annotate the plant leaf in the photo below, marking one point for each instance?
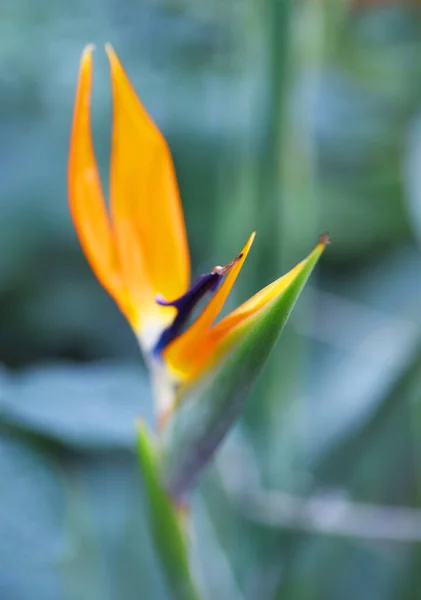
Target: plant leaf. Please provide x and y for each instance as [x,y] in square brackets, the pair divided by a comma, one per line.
[95,408]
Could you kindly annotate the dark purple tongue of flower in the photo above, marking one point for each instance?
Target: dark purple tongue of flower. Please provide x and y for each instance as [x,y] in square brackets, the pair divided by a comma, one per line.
[186,303]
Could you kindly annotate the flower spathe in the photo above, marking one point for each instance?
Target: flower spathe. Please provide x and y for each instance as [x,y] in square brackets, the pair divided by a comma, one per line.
[138,248]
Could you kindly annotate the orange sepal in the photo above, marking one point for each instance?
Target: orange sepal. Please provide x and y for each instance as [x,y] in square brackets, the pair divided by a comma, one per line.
[145,205]
[183,352]
[86,199]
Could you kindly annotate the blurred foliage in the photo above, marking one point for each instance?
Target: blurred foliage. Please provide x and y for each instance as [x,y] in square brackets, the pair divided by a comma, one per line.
[288,117]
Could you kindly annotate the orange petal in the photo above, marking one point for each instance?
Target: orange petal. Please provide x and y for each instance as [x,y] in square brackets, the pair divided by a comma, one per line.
[145,205]
[86,199]
[183,352]
[220,338]
[256,302]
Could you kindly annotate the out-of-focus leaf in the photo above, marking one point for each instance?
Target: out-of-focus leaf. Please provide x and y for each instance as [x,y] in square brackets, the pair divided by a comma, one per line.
[372,570]
[383,443]
[376,417]
[412,176]
[376,461]
[240,549]
[92,406]
[110,554]
[71,432]
[165,523]
[32,540]
[73,522]
[209,408]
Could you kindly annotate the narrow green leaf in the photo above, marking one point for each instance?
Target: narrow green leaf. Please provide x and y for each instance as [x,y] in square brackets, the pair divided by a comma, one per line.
[164,523]
[208,410]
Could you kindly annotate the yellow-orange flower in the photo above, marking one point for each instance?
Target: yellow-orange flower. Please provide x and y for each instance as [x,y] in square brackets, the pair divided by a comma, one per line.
[138,248]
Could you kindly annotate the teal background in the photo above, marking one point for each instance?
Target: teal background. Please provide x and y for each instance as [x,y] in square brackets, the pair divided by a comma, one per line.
[288,118]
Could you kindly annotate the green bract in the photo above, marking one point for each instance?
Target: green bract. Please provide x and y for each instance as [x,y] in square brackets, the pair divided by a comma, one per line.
[206,411]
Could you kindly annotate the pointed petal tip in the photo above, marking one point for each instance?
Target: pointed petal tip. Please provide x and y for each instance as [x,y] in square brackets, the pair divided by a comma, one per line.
[109,50]
[249,242]
[87,52]
[247,247]
[324,239]
[112,56]
[115,65]
[85,70]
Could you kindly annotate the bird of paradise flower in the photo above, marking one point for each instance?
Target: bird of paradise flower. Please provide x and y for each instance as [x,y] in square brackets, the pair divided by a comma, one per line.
[139,250]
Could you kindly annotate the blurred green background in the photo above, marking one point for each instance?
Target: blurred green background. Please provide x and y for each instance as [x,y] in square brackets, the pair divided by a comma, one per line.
[291,117]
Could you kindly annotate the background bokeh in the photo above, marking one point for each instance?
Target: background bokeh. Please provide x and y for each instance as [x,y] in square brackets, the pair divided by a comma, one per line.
[291,117]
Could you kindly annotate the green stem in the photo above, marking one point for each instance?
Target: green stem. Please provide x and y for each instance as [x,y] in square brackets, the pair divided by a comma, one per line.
[165,524]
